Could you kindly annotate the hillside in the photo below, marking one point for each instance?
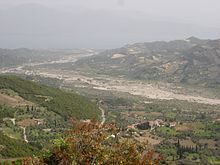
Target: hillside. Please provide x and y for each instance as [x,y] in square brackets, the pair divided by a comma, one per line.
[13,57]
[21,56]
[191,61]
[10,147]
[60,102]
[31,115]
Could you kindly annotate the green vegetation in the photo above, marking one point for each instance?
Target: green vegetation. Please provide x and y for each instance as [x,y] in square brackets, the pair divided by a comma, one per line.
[176,61]
[211,131]
[6,112]
[9,57]
[14,148]
[44,118]
[166,132]
[194,138]
[62,103]
[196,127]
[90,143]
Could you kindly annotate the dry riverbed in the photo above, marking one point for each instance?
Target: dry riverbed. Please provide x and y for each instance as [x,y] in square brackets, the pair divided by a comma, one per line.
[104,82]
[138,88]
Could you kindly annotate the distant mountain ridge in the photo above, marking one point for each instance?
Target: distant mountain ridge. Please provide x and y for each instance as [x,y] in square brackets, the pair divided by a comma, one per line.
[13,57]
[191,61]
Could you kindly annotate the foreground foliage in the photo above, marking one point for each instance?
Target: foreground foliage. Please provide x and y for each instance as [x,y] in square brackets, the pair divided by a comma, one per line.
[92,143]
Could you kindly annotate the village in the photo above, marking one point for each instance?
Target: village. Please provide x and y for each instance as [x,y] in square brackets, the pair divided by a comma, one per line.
[151,125]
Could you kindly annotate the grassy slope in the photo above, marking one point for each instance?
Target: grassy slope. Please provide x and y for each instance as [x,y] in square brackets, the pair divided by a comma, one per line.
[14,148]
[63,103]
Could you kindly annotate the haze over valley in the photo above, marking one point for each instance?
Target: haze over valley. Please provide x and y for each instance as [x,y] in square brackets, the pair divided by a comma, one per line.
[110,82]
[104,24]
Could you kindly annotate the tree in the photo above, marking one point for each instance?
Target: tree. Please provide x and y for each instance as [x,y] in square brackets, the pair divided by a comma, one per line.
[92,143]
[28,108]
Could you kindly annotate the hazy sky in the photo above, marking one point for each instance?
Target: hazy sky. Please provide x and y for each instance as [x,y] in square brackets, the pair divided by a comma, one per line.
[198,11]
[192,13]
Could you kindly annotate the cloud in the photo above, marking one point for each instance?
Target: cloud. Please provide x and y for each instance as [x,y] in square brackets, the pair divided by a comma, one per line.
[120,2]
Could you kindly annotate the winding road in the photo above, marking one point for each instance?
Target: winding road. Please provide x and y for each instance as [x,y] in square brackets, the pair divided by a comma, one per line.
[103,116]
[24,134]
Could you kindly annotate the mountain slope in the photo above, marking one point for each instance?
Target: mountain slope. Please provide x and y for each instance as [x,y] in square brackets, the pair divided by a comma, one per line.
[14,57]
[190,61]
[32,115]
[60,102]
[10,147]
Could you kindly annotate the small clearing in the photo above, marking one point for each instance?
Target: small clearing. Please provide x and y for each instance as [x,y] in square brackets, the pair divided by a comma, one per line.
[13,100]
[150,139]
[30,122]
[116,56]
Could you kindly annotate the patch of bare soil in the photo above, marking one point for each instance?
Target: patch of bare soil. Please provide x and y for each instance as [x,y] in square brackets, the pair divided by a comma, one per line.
[116,56]
[154,114]
[187,142]
[13,101]
[30,122]
[150,139]
[211,143]
[189,126]
[183,127]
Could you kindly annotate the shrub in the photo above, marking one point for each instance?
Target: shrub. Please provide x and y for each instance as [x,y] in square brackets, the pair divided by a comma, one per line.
[92,143]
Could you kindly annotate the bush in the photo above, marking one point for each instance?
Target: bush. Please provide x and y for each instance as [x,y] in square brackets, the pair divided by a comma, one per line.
[92,143]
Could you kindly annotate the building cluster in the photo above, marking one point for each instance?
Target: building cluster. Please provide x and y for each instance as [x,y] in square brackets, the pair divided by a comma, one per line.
[151,125]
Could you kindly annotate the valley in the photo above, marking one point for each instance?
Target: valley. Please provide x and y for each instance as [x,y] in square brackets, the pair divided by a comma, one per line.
[175,118]
[162,91]
[100,82]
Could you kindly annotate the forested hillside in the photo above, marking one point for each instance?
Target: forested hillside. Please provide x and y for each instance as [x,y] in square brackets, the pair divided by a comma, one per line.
[32,115]
[58,101]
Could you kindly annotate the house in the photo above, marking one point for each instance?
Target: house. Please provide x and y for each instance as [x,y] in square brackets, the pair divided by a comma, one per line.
[39,121]
[172,124]
[150,124]
[131,126]
[143,126]
[86,121]
[156,123]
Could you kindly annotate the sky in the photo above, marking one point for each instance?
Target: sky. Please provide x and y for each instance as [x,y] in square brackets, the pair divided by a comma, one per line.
[136,20]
